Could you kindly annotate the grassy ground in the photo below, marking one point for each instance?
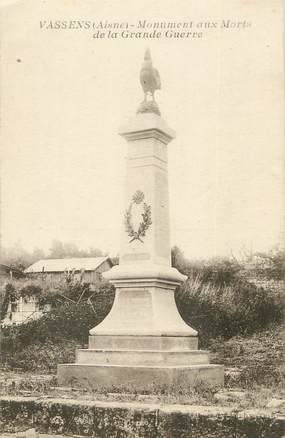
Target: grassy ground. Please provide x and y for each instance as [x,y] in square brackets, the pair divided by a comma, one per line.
[44,387]
[254,361]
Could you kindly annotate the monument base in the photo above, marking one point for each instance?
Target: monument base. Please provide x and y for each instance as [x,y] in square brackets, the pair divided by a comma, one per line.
[141,378]
[141,362]
[143,341]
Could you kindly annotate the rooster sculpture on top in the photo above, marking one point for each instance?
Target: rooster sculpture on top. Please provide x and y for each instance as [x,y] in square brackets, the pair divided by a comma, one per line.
[149,76]
[150,81]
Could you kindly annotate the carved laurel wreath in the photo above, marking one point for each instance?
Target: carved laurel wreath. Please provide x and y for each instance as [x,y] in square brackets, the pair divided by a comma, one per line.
[138,198]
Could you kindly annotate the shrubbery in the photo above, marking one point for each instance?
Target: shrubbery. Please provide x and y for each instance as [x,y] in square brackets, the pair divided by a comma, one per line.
[229,310]
[65,322]
[69,321]
[39,343]
[268,266]
[217,271]
[218,300]
[43,357]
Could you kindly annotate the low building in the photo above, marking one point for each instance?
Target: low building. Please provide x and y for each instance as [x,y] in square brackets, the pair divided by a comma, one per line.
[85,269]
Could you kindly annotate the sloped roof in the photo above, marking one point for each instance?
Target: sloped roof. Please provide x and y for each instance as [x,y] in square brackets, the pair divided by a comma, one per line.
[61,265]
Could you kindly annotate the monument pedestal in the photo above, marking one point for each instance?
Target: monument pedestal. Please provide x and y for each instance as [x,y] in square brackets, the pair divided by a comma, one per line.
[143,341]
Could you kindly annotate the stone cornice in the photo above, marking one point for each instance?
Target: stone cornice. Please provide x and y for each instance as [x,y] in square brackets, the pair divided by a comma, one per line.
[147,125]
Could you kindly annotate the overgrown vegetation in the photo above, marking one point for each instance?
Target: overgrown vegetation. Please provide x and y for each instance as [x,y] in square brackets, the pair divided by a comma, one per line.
[269,266]
[41,344]
[220,300]
[236,308]
[223,271]
[68,290]
[256,360]
[42,356]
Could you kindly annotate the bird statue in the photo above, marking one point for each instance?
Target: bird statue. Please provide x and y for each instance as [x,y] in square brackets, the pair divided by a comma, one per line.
[150,81]
[149,76]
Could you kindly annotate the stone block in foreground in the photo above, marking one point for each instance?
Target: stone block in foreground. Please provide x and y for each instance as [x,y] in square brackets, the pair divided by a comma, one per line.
[139,377]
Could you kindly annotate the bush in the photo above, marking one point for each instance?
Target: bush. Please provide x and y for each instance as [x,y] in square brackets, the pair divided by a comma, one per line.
[228,310]
[43,357]
[39,345]
[76,309]
[65,291]
[69,321]
[267,266]
[217,271]
[219,301]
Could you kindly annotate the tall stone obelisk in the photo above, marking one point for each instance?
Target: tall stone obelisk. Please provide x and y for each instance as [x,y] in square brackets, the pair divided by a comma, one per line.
[143,339]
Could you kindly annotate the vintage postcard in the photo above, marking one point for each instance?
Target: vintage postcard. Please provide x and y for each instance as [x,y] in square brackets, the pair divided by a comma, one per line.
[142,216]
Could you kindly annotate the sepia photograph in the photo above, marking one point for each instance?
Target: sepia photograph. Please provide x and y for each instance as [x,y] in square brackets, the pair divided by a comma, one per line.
[142,222]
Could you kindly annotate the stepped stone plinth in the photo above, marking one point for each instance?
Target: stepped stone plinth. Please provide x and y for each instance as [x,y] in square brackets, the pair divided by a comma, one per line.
[143,340]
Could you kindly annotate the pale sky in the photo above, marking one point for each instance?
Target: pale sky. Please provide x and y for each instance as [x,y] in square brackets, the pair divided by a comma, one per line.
[64,96]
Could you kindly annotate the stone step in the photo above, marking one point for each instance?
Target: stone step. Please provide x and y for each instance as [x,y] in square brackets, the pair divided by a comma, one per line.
[141,377]
[163,343]
[142,357]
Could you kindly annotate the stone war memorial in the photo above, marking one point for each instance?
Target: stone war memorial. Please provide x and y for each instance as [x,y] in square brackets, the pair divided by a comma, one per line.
[144,341]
